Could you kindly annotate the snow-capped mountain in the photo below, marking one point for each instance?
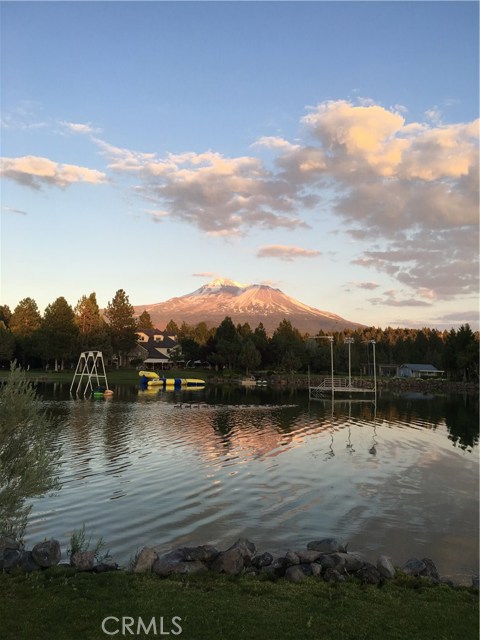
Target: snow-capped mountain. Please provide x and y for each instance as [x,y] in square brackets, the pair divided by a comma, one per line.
[252,303]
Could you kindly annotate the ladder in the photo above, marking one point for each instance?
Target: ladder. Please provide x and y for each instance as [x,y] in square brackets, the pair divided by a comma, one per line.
[90,366]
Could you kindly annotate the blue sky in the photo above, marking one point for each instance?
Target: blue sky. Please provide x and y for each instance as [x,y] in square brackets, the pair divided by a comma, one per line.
[329,149]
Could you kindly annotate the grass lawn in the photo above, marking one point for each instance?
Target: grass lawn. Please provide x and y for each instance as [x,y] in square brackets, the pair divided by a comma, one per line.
[64,605]
[114,376]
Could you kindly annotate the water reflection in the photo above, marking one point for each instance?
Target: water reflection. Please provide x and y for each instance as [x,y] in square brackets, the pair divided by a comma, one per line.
[207,466]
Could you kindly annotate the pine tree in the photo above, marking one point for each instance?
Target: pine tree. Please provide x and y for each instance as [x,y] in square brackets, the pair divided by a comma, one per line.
[122,326]
[144,321]
[59,332]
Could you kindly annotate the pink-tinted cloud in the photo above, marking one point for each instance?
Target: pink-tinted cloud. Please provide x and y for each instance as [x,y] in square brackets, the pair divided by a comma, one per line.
[285,252]
[35,172]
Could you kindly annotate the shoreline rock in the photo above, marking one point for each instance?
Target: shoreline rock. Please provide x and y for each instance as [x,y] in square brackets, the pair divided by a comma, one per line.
[326,559]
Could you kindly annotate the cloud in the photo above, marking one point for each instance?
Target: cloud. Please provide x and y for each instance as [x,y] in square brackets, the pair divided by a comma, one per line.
[221,196]
[409,189]
[204,274]
[460,317]
[391,298]
[369,286]
[35,171]
[158,215]
[23,117]
[85,129]
[284,252]
[16,211]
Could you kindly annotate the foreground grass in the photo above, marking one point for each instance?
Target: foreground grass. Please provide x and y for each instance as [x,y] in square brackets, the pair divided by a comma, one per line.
[61,604]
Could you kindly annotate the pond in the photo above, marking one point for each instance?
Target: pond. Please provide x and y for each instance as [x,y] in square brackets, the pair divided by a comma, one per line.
[169,469]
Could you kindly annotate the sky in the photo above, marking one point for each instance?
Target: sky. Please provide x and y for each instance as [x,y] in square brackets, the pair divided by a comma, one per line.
[329,149]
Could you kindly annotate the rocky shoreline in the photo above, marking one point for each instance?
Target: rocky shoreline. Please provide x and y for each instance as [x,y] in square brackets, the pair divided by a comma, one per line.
[326,559]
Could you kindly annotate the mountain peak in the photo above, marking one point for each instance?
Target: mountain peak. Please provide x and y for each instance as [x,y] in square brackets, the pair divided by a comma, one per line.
[224,282]
[252,303]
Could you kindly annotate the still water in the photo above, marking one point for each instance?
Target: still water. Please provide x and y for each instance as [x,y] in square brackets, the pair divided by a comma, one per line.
[138,469]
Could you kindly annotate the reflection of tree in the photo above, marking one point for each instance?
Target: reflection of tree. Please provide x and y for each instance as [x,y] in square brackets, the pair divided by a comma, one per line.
[460,414]
[28,452]
[461,418]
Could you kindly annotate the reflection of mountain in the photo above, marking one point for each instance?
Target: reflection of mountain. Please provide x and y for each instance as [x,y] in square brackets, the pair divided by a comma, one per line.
[253,303]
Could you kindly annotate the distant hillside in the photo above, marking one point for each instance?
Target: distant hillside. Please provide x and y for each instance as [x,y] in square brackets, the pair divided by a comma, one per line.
[253,303]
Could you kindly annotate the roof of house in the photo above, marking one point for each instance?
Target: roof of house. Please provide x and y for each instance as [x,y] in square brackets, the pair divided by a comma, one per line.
[420,367]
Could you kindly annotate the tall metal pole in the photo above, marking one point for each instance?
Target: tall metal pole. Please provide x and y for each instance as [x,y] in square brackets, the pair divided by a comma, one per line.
[374,371]
[331,358]
[349,341]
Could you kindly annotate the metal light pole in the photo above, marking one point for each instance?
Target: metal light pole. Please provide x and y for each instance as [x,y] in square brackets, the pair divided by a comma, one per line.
[349,341]
[331,356]
[372,342]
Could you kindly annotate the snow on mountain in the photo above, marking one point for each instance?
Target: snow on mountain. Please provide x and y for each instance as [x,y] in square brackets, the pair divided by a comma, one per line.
[252,303]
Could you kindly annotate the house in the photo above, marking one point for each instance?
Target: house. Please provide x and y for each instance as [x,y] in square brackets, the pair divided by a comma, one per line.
[419,371]
[157,349]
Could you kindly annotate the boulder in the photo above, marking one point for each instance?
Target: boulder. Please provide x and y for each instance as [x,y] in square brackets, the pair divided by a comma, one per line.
[349,562]
[145,560]
[280,566]
[414,567]
[326,562]
[174,562]
[332,575]
[385,567]
[46,554]
[430,570]
[229,561]
[475,582]
[107,564]
[205,553]
[27,563]
[292,557]
[369,574]
[295,574]
[308,555]
[247,549]
[10,559]
[83,560]
[326,545]
[263,560]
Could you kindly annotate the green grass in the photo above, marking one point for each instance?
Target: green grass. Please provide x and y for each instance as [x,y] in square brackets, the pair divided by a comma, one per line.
[60,604]
[114,376]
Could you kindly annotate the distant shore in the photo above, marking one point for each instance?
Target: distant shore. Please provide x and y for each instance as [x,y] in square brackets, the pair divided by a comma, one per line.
[274,380]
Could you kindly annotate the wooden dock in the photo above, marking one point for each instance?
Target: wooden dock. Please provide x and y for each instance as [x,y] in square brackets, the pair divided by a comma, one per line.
[341,387]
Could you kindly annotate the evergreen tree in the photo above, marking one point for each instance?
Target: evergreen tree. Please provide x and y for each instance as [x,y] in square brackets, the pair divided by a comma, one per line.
[172,328]
[25,323]
[122,326]
[5,315]
[25,319]
[58,333]
[90,324]
[287,346]
[144,321]
[249,356]
[226,344]
[7,344]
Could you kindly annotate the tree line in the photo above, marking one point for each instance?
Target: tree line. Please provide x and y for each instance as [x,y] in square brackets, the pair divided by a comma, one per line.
[57,337]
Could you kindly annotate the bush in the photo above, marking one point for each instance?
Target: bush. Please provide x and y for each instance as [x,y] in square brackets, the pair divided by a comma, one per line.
[28,451]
